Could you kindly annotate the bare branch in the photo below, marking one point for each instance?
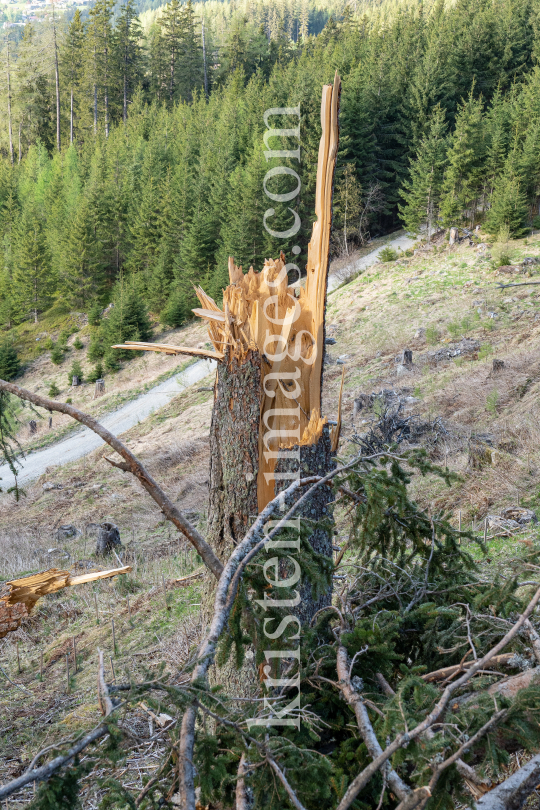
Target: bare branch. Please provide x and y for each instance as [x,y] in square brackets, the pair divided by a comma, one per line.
[154,779]
[534,638]
[22,688]
[446,672]
[355,701]
[105,702]
[282,778]
[133,465]
[512,793]
[48,770]
[241,793]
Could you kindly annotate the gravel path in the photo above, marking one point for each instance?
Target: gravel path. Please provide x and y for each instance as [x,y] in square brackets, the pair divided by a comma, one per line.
[404,241]
[84,441]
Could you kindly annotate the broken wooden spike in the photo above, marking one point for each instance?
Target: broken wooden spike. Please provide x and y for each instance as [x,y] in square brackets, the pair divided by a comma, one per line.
[166,349]
[19,596]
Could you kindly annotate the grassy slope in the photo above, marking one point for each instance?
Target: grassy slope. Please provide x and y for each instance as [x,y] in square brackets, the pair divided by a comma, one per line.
[446,291]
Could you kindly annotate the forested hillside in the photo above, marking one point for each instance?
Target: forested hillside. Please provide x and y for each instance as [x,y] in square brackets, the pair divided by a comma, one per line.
[137,166]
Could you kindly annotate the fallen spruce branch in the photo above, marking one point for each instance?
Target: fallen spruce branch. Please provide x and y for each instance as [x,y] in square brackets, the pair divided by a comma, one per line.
[130,464]
[361,780]
[227,587]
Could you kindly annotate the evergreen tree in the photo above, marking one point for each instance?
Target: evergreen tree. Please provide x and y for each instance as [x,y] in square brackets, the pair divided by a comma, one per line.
[422,191]
[32,276]
[127,320]
[183,50]
[71,63]
[242,235]
[35,102]
[463,178]
[9,361]
[347,204]
[9,214]
[508,206]
[128,53]
[146,231]
[100,60]
[82,271]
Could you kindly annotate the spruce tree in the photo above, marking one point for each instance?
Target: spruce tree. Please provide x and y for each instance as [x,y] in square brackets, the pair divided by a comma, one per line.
[32,276]
[128,53]
[347,204]
[463,177]
[508,206]
[242,234]
[9,361]
[422,191]
[71,63]
[82,271]
[127,320]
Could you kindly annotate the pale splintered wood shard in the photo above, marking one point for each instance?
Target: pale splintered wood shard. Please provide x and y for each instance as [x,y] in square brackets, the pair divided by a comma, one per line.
[19,596]
[166,349]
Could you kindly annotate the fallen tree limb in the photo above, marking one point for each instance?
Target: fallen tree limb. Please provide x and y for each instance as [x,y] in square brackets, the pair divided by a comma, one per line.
[133,465]
[514,791]
[361,780]
[447,672]
[46,771]
[19,596]
[355,701]
[165,348]
[283,779]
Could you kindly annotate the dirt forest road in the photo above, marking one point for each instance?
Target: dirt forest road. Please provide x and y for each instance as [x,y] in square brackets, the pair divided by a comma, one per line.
[85,441]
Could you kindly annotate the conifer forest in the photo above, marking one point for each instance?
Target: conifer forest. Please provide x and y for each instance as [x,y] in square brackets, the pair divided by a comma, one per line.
[138,155]
[270,405]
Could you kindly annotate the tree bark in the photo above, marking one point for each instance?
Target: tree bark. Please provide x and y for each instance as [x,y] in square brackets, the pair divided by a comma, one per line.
[313,459]
[234,453]
[8,74]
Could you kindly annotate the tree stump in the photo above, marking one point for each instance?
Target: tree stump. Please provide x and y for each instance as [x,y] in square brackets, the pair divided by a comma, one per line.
[108,539]
[32,426]
[407,357]
[498,365]
[99,389]
[75,381]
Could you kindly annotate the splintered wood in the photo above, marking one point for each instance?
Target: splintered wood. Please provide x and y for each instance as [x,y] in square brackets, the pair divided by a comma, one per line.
[18,597]
[283,323]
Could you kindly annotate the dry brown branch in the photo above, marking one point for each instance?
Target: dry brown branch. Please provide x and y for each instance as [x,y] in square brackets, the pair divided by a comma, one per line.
[170,511]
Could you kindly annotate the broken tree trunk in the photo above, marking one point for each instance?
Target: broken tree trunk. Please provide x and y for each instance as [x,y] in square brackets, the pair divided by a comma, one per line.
[18,597]
[267,426]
